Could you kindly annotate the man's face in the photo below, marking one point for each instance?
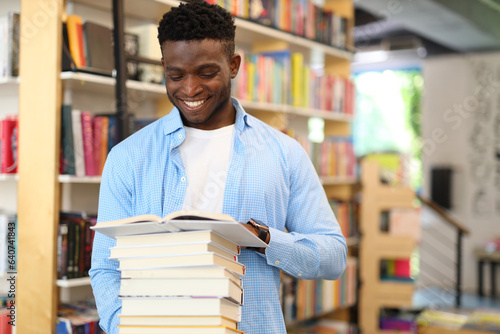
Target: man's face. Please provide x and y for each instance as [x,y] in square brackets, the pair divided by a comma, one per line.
[198,81]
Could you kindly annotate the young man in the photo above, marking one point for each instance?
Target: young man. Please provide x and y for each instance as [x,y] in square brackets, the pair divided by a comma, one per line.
[208,154]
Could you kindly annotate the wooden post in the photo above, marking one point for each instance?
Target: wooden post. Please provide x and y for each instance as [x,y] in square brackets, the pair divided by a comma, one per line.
[38,188]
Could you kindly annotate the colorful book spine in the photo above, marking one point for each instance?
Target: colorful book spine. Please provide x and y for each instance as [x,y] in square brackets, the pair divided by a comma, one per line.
[9,145]
[75,36]
[88,144]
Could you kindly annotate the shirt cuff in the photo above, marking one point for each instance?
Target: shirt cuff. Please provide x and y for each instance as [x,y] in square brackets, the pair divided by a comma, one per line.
[279,249]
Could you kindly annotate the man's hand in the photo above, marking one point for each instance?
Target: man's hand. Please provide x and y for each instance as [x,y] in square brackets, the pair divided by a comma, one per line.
[255,231]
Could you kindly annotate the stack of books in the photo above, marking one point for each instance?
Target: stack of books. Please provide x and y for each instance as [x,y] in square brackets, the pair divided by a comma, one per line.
[179,274]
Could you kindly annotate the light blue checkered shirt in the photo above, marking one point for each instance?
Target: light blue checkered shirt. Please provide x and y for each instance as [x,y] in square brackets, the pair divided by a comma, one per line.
[270,178]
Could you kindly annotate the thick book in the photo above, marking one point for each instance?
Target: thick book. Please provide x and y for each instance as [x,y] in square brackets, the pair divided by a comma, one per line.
[181,306]
[9,145]
[9,45]
[99,46]
[176,330]
[182,287]
[177,238]
[183,272]
[75,37]
[88,144]
[67,146]
[178,221]
[119,253]
[76,119]
[186,260]
[185,321]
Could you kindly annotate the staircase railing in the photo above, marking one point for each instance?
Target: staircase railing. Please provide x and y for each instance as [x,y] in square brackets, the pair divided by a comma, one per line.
[461,231]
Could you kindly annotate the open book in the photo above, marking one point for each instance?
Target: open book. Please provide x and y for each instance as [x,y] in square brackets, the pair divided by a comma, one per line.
[180,221]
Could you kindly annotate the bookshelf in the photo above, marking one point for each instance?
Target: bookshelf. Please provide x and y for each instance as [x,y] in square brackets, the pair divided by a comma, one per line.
[41,191]
[375,246]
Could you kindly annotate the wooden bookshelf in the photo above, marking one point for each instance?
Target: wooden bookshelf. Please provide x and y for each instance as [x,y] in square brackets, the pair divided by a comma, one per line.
[375,245]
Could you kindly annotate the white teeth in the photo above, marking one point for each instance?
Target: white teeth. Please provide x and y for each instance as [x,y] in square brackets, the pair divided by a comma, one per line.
[194,104]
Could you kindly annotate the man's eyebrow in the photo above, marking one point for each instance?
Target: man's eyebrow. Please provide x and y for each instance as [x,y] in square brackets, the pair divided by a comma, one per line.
[210,65]
[201,67]
[172,68]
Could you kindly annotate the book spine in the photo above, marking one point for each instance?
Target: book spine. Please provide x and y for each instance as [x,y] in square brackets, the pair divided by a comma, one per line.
[98,133]
[88,144]
[78,142]
[68,149]
[75,38]
[62,252]
[9,145]
[13,44]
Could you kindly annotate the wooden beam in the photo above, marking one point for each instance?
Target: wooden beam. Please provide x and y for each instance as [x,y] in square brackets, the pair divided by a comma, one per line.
[39,141]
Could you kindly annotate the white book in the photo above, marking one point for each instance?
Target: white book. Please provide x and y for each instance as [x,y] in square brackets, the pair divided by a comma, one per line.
[76,120]
[183,272]
[185,321]
[177,330]
[182,260]
[220,287]
[183,306]
[177,238]
[117,253]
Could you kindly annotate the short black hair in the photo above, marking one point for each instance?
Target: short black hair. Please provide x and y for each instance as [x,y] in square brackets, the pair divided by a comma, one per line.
[198,20]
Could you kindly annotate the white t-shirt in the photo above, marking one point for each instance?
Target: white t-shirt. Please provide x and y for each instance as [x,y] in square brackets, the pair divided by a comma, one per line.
[205,155]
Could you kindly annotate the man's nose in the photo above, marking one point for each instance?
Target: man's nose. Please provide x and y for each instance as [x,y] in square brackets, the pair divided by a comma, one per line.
[192,86]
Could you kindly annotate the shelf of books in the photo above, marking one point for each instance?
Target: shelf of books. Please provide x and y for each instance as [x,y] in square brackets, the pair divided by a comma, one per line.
[389,225]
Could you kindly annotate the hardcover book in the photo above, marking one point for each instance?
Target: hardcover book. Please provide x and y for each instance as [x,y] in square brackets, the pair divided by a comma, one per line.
[177,330]
[175,287]
[177,238]
[183,260]
[187,321]
[181,306]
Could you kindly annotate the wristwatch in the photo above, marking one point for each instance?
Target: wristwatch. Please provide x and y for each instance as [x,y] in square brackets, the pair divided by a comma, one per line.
[263,231]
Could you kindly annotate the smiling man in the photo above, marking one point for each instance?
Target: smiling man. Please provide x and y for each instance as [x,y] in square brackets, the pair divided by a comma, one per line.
[208,154]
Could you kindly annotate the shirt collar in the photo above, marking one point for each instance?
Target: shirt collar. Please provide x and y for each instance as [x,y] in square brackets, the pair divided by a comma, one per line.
[173,122]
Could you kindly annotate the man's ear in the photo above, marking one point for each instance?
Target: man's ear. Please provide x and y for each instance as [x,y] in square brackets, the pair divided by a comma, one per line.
[162,63]
[234,64]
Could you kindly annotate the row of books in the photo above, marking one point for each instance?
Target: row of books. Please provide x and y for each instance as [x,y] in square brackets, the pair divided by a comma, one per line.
[8,243]
[9,40]
[9,144]
[88,47]
[334,157]
[300,17]
[396,270]
[74,245]
[347,214]
[81,318]
[304,299]
[85,141]
[283,78]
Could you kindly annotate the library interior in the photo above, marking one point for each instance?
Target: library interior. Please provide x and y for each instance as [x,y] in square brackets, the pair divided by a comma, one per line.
[395,102]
